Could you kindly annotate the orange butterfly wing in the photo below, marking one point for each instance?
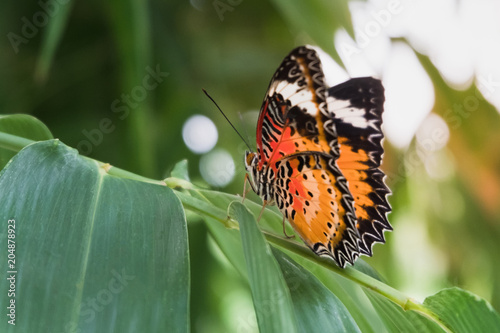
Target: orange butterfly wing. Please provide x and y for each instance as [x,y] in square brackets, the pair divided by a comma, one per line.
[313,195]
[318,156]
[296,138]
[294,110]
[357,108]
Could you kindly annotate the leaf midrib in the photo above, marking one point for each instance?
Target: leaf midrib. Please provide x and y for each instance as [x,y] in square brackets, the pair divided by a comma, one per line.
[80,284]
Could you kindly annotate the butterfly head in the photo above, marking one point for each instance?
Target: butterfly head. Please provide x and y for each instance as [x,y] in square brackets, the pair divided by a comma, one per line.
[251,162]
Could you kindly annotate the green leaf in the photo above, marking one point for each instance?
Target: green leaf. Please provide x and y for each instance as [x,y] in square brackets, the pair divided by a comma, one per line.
[271,220]
[130,23]
[272,300]
[21,125]
[94,252]
[180,170]
[229,242]
[316,308]
[319,19]
[463,311]
[59,12]
[372,308]
[350,294]
[398,320]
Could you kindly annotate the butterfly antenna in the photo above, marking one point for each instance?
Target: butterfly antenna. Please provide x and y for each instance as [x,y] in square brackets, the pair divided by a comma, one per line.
[230,123]
[244,127]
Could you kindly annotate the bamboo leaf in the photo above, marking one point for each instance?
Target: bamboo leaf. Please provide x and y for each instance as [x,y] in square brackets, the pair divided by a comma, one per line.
[24,126]
[316,308]
[350,294]
[94,252]
[272,301]
[463,311]
[130,23]
[180,170]
[59,12]
[398,320]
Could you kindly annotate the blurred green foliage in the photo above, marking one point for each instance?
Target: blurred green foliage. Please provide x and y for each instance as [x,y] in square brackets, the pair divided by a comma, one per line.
[77,71]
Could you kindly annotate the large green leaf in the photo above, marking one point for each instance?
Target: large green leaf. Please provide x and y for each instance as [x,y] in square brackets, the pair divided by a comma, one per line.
[316,308]
[272,300]
[463,311]
[22,125]
[94,252]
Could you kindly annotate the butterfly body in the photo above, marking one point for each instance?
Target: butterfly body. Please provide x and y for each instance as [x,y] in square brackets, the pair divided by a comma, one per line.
[317,158]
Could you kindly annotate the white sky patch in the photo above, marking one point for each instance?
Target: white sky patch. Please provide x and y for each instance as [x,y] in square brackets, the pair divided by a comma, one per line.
[433,133]
[408,89]
[334,74]
[484,30]
[462,39]
[409,95]
[353,56]
[199,134]
[365,56]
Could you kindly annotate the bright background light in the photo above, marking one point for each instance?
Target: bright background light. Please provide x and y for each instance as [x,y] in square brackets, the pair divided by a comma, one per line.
[460,38]
[217,167]
[199,134]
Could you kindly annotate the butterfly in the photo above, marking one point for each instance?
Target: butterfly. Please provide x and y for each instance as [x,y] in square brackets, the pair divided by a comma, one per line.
[318,155]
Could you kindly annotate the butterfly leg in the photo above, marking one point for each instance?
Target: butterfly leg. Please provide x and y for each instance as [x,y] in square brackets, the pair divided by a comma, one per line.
[284,230]
[262,211]
[245,190]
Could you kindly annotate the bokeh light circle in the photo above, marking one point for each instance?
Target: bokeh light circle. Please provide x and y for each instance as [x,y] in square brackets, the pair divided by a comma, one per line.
[200,134]
[217,167]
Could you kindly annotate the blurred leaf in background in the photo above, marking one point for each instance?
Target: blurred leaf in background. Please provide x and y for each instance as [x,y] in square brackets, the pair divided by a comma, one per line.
[119,80]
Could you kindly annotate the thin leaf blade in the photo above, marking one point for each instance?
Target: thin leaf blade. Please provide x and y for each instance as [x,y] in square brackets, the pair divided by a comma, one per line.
[316,308]
[272,300]
[52,35]
[21,125]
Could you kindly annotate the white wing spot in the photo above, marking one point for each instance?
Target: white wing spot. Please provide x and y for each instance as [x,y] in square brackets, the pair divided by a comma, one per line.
[342,109]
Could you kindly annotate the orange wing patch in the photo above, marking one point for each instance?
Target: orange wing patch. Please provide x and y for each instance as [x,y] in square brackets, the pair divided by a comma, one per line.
[313,195]
[369,192]
[357,107]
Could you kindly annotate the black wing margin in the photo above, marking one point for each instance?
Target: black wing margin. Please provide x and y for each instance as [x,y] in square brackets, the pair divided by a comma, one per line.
[356,106]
